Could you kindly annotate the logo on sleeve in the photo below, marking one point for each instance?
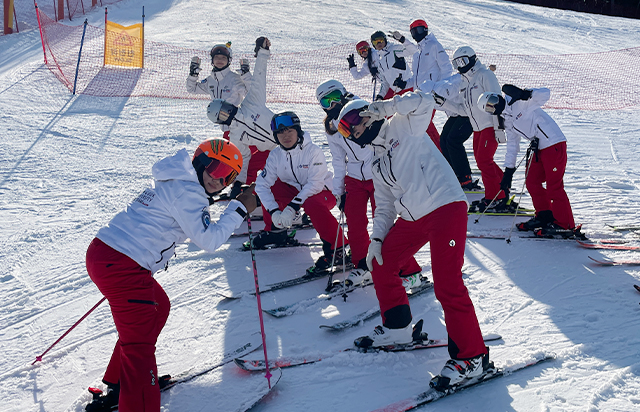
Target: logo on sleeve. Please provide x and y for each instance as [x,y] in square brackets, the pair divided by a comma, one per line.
[206,218]
[145,197]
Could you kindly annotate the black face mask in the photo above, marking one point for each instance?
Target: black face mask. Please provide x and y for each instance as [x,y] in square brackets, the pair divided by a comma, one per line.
[369,134]
[334,112]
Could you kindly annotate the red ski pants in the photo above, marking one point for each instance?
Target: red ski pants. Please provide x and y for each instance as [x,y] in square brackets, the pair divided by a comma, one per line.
[318,207]
[140,308]
[359,193]
[484,148]
[256,163]
[446,230]
[548,166]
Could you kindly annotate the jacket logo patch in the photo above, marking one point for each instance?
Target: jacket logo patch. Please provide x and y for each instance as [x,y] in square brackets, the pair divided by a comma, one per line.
[206,218]
[255,117]
[303,166]
[145,197]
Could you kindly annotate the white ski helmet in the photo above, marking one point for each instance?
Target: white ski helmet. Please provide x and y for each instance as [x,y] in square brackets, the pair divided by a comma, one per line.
[220,111]
[327,87]
[464,58]
[492,103]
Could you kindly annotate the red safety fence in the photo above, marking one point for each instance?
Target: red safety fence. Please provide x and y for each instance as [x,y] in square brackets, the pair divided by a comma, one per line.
[595,81]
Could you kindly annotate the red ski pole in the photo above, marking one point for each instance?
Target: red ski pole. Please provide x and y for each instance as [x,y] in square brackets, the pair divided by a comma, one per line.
[39,358]
[255,277]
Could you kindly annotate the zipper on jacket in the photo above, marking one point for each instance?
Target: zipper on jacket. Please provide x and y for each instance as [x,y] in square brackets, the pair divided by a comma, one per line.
[164,250]
[292,172]
[542,131]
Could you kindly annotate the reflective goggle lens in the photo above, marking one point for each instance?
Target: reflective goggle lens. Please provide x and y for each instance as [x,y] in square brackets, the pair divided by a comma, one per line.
[378,40]
[216,169]
[492,102]
[225,111]
[362,49]
[460,61]
[327,99]
[418,31]
[281,122]
[348,121]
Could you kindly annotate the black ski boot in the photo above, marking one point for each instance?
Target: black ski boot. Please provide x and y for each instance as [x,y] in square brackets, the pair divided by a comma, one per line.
[272,239]
[541,219]
[104,402]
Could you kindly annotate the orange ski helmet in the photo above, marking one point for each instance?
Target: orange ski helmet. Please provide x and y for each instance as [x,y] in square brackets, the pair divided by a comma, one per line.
[218,157]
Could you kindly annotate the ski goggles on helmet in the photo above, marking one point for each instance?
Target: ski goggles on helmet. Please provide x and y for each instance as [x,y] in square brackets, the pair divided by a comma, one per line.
[282,122]
[348,122]
[418,31]
[215,168]
[492,101]
[362,47]
[378,40]
[327,99]
[226,109]
[460,61]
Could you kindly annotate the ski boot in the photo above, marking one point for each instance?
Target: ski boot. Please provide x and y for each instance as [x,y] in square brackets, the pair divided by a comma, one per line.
[456,371]
[104,402]
[272,239]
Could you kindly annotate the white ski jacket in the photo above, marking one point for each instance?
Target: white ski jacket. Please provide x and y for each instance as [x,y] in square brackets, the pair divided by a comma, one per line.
[525,119]
[173,209]
[392,63]
[348,159]
[251,125]
[430,62]
[365,71]
[303,167]
[449,88]
[223,84]
[475,82]
[411,177]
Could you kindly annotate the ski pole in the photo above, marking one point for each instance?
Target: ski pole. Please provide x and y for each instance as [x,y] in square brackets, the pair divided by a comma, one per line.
[333,258]
[526,173]
[255,277]
[344,262]
[493,200]
[39,358]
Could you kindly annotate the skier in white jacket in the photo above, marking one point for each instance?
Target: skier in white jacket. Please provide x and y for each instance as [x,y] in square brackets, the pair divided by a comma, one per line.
[392,64]
[418,200]
[547,157]
[249,123]
[296,176]
[138,242]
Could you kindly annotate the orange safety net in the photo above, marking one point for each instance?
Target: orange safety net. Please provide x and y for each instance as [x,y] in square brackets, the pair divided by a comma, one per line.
[594,81]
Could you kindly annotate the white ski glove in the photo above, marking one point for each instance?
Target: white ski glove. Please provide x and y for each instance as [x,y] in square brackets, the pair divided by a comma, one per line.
[376,111]
[285,218]
[501,136]
[374,252]
[397,36]
[194,68]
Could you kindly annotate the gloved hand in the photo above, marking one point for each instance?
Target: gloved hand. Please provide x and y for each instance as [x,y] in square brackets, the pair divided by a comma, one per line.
[379,97]
[352,62]
[287,216]
[439,99]
[374,252]
[244,66]
[248,198]
[261,43]
[534,144]
[398,82]
[376,111]
[374,71]
[340,201]
[397,36]
[516,93]
[194,68]
[276,218]
[236,189]
[507,178]
[501,136]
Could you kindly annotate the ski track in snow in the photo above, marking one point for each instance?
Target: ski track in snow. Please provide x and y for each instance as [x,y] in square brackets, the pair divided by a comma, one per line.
[68,164]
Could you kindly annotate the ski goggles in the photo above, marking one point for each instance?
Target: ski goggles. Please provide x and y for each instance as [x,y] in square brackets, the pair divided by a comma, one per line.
[225,111]
[215,168]
[378,40]
[460,61]
[492,102]
[327,99]
[282,122]
[362,47]
[418,31]
[348,122]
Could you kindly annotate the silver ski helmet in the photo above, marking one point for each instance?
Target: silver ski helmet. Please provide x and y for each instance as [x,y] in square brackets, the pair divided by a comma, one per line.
[221,112]
[328,92]
[464,58]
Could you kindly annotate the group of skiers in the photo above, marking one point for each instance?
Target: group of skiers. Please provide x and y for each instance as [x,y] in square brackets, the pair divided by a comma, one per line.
[386,153]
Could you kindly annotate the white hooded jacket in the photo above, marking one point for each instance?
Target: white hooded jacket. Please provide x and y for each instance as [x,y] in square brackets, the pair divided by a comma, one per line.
[348,159]
[175,208]
[251,125]
[303,167]
[525,119]
[392,63]
[223,84]
[410,175]
[476,81]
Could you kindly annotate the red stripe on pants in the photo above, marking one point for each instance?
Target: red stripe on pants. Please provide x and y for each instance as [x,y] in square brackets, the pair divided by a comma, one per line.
[549,167]
[359,193]
[446,231]
[317,207]
[484,148]
[140,308]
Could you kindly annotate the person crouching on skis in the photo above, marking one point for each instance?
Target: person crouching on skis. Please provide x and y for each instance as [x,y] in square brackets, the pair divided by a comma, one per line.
[547,157]
[296,176]
[138,242]
[418,200]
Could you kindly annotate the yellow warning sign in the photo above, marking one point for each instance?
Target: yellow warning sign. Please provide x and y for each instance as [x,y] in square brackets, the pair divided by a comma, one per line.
[124,46]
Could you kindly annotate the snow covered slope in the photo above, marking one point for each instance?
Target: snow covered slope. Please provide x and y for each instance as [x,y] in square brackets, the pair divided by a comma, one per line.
[68,164]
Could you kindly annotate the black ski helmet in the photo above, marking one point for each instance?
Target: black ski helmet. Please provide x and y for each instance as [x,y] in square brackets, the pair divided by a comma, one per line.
[285,120]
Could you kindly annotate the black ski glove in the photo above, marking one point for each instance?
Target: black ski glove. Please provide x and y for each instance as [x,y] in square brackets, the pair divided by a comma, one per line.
[235,189]
[401,84]
[507,178]
[379,97]
[194,67]
[244,66]
[516,93]
[374,71]
[352,62]
[343,199]
[439,99]
[259,43]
